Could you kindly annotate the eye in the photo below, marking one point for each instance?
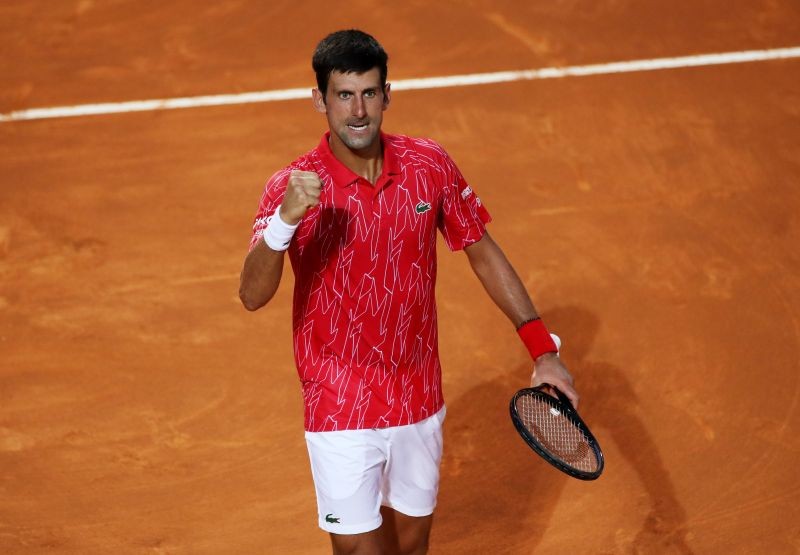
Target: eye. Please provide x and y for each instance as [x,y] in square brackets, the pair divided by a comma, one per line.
[344,95]
[370,93]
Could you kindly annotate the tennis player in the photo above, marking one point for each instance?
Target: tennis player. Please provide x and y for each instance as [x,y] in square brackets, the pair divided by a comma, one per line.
[358,215]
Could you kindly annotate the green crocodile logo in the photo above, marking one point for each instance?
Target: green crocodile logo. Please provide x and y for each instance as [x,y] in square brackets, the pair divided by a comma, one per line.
[330,518]
[423,207]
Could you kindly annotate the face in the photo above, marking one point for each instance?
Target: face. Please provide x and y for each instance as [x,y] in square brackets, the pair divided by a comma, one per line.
[354,105]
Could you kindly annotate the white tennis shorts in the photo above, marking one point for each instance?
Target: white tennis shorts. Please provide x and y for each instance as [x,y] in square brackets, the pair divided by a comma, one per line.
[357,471]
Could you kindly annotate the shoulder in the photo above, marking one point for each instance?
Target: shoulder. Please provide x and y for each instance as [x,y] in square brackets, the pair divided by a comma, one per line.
[419,148]
[417,144]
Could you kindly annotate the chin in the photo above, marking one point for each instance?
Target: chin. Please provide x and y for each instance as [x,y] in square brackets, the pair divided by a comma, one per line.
[359,143]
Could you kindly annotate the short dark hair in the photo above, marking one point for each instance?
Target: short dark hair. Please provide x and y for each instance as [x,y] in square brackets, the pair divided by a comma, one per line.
[350,51]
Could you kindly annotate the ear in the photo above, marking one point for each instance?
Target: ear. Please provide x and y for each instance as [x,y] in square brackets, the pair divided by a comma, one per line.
[319,101]
[387,96]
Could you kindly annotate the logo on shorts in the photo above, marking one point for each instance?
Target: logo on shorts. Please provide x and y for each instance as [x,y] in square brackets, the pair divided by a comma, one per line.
[332,519]
[423,207]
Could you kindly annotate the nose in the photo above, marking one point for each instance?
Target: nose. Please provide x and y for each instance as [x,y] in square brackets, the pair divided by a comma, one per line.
[359,109]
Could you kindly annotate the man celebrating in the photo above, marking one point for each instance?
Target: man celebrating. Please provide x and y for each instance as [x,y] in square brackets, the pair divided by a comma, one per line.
[358,215]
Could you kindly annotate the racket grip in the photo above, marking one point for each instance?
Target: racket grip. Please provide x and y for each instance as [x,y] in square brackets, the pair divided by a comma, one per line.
[557,341]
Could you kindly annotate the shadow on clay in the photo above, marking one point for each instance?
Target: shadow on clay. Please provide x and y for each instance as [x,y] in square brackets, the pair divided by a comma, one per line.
[491,480]
[483,500]
[612,409]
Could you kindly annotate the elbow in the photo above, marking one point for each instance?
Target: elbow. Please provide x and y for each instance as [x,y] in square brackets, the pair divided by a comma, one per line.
[251,302]
[250,305]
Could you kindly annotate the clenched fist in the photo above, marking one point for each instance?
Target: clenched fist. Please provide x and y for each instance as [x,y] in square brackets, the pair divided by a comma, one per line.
[302,192]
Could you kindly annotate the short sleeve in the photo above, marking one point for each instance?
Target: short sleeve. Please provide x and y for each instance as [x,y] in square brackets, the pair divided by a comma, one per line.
[462,218]
[271,198]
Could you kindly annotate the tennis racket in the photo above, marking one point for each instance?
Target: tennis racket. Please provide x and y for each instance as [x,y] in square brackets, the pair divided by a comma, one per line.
[552,428]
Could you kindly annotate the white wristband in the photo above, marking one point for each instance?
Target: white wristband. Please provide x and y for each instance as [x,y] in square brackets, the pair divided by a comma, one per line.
[278,233]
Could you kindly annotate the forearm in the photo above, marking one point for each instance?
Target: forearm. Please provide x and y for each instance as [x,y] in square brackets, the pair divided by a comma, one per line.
[508,292]
[500,280]
[261,275]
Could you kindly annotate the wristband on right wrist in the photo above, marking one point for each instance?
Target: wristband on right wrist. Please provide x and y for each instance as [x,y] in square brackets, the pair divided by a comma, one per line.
[278,233]
[536,338]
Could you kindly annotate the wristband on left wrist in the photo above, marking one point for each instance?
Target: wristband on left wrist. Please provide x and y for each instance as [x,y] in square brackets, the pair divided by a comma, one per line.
[536,338]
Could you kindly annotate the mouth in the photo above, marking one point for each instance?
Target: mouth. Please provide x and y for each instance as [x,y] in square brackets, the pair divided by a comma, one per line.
[358,127]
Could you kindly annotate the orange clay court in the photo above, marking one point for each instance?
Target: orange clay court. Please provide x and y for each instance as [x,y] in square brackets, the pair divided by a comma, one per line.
[653,215]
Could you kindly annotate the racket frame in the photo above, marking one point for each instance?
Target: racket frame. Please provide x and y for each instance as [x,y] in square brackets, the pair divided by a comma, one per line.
[562,404]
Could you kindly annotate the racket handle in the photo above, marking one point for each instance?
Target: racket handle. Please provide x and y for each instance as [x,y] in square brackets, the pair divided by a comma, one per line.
[557,341]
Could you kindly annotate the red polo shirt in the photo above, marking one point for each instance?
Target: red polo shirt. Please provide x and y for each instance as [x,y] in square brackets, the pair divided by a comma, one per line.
[364,316]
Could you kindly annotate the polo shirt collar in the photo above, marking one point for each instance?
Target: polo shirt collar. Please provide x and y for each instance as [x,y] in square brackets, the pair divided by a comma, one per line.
[344,176]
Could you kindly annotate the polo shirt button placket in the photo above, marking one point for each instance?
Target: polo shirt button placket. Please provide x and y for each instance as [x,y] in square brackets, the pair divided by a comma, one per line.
[377,191]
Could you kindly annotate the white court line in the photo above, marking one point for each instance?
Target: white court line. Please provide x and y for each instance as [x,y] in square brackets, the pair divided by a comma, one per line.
[408,84]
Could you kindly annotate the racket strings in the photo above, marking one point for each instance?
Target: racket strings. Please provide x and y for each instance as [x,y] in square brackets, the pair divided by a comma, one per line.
[557,433]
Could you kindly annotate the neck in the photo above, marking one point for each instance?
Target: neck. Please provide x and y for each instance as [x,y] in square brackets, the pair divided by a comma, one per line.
[367,162]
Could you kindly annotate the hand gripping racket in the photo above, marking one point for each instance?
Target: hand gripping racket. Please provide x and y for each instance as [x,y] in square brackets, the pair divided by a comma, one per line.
[553,429]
